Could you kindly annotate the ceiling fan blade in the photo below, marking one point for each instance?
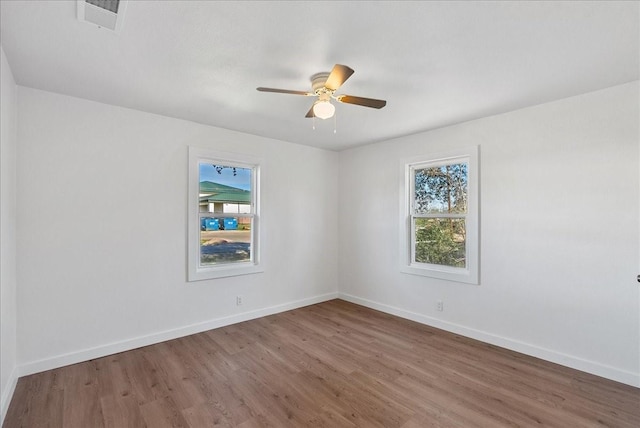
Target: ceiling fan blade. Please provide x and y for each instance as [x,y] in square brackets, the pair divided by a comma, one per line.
[338,76]
[310,112]
[366,102]
[285,91]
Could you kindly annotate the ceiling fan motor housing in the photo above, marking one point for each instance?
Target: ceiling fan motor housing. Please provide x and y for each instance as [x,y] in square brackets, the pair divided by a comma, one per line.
[317,83]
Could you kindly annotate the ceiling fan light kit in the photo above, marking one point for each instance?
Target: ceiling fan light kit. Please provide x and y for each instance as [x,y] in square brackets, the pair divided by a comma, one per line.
[324,86]
[323,109]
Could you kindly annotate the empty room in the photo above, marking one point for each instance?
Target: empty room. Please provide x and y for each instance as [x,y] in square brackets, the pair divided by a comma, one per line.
[319,214]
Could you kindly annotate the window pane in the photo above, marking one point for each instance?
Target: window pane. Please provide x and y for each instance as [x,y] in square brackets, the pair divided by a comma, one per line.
[440,241]
[441,189]
[225,240]
[224,189]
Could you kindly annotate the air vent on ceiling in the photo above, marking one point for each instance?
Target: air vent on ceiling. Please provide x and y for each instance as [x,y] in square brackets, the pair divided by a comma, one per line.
[107,14]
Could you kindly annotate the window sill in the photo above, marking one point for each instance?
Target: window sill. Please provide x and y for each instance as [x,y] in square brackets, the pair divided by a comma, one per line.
[441,272]
[239,269]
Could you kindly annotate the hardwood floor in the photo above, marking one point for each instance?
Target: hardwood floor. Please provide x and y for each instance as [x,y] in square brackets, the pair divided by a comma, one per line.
[334,364]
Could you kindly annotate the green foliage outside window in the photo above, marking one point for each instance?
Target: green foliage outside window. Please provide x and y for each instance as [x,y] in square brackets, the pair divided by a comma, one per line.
[441,190]
[440,242]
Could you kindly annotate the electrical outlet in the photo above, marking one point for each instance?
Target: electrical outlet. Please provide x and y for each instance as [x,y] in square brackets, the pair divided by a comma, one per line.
[238,300]
[440,305]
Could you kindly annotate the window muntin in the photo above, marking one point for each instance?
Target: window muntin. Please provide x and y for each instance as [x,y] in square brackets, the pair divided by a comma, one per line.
[223,214]
[439,229]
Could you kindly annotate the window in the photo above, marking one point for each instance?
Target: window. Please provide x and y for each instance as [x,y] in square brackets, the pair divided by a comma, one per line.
[224,220]
[439,227]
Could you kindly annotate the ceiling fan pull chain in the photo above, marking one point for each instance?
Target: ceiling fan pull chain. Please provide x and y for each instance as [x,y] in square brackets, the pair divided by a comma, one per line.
[313,126]
[335,121]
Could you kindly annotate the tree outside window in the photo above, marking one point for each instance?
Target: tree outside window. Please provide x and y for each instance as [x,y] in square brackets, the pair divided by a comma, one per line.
[441,190]
[439,225]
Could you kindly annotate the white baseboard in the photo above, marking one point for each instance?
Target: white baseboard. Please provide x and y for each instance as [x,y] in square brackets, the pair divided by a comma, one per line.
[126,345]
[7,394]
[573,362]
[577,363]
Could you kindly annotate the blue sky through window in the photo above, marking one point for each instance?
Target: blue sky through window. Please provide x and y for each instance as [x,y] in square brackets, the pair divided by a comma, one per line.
[242,179]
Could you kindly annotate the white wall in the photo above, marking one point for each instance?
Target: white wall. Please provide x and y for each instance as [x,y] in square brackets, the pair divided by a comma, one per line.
[559,232]
[98,280]
[8,310]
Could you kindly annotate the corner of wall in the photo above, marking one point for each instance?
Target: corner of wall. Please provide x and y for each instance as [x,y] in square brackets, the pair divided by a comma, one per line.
[7,394]
[8,289]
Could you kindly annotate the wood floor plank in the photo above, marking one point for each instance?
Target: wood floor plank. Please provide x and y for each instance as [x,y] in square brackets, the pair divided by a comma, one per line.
[331,365]
[205,415]
[162,413]
[81,395]
[121,412]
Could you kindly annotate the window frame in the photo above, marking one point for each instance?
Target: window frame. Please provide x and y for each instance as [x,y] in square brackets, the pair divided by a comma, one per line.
[195,271]
[469,274]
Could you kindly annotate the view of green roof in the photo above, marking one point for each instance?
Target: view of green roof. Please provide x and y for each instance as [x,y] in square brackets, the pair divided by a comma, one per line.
[211,187]
[221,193]
[236,198]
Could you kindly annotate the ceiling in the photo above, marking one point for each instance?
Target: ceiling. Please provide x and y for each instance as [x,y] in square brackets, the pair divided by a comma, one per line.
[436,63]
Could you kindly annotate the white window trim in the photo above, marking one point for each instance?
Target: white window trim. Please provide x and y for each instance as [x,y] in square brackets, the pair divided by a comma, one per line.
[196,272]
[471,273]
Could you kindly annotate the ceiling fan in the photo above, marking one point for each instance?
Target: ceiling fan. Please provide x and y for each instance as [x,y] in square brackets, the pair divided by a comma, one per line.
[324,86]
